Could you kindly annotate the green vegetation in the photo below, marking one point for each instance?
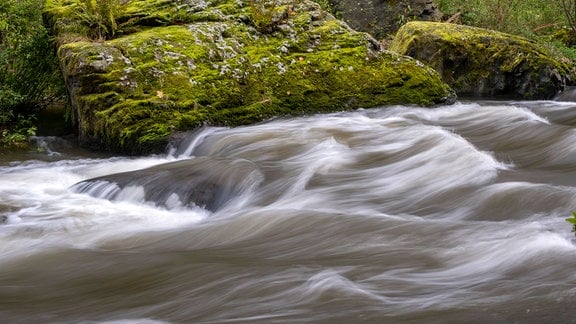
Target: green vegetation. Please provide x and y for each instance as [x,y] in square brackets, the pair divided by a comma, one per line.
[30,78]
[482,62]
[264,15]
[569,9]
[100,17]
[548,22]
[519,17]
[327,6]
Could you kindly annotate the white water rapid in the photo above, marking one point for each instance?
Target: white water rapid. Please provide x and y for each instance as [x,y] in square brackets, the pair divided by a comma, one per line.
[394,215]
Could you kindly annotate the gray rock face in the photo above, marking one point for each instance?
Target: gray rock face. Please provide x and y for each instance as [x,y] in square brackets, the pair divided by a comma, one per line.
[381,18]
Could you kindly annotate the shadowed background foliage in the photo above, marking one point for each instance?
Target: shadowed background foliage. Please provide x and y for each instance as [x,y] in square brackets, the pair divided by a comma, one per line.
[30,80]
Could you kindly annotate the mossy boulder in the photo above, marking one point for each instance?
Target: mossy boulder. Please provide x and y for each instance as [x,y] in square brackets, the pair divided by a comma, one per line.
[175,65]
[478,62]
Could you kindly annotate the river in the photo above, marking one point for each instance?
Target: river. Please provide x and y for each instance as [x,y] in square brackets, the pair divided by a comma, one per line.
[390,215]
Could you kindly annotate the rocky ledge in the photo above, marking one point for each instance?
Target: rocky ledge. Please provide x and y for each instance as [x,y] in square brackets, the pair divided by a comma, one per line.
[175,65]
[478,62]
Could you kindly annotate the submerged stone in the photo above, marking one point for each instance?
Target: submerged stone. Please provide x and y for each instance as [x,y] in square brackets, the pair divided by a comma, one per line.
[484,63]
[176,65]
[207,182]
[569,94]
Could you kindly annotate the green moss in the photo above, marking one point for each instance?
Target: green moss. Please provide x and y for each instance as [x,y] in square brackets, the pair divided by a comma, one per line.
[480,62]
[132,92]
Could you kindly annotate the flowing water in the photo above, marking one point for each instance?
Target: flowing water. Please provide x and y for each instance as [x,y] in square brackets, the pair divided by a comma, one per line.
[392,215]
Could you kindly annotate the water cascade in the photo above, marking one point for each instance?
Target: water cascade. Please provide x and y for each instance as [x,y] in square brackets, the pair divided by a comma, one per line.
[389,215]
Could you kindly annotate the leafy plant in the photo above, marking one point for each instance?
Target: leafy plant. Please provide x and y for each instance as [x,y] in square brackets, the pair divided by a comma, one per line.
[569,10]
[30,80]
[100,17]
[264,15]
[518,17]
[541,21]
[327,6]
[16,130]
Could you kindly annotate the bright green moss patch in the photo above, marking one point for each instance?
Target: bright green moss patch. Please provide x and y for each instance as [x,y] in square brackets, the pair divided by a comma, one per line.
[484,63]
[132,92]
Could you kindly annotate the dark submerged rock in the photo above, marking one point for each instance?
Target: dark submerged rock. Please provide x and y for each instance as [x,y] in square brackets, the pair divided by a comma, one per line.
[569,94]
[207,182]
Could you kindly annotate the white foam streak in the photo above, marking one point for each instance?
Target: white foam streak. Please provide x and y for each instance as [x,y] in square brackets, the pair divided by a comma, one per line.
[333,285]
[52,216]
[320,159]
[187,148]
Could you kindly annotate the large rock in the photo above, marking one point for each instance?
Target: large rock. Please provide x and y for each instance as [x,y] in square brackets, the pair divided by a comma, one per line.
[483,63]
[382,18]
[178,64]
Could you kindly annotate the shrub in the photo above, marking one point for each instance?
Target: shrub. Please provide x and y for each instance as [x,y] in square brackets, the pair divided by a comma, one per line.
[100,17]
[569,10]
[30,78]
[542,21]
[520,17]
[15,130]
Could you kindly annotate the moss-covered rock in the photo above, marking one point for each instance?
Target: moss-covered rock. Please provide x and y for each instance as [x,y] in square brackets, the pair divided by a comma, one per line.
[179,64]
[483,63]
